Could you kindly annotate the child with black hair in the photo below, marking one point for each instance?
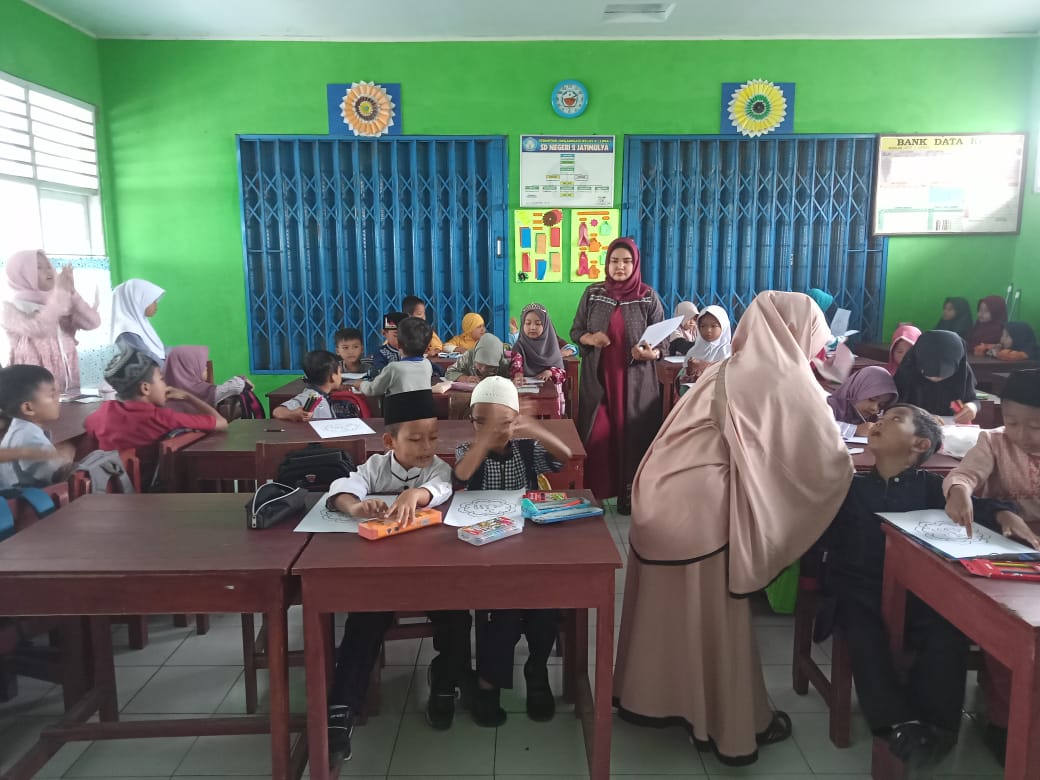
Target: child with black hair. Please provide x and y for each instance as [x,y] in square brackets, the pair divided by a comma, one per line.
[28,397]
[412,371]
[322,375]
[390,351]
[921,716]
[139,417]
[414,306]
[350,346]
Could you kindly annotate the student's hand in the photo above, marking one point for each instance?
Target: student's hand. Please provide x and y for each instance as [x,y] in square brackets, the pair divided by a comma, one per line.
[176,394]
[545,376]
[599,340]
[965,415]
[29,453]
[525,427]
[299,415]
[644,352]
[403,509]
[513,326]
[959,507]
[65,280]
[864,429]
[1014,526]
[518,380]
[371,507]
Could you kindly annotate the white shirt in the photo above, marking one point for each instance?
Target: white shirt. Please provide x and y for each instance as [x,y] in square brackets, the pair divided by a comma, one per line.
[28,473]
[382,474]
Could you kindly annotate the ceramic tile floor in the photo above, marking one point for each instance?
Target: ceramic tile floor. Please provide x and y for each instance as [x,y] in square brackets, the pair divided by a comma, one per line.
[181,674]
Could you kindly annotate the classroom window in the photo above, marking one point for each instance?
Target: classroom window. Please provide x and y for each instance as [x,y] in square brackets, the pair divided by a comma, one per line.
[336,232]
[49,194]
[720,219]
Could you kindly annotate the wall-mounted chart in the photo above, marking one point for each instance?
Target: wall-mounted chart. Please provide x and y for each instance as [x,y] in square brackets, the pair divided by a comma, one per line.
[538,245]
[949,184]
[592,230]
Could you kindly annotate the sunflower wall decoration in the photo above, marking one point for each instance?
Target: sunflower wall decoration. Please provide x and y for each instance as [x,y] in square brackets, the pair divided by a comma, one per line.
[757,107]
[364,109]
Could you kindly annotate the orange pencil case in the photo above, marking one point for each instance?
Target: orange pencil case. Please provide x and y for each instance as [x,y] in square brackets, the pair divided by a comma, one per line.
[378,528]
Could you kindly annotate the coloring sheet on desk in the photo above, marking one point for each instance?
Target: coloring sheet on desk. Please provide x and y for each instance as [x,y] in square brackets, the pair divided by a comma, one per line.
[348,426]
[935,529]
[675,359]
[322,521]
[469,507]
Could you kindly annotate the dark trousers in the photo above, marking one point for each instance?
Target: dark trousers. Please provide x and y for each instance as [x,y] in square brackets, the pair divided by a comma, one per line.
[363,639]
[931,690]
[498,632]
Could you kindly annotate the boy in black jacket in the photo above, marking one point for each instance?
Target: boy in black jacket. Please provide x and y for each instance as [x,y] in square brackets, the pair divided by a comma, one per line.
[920,712]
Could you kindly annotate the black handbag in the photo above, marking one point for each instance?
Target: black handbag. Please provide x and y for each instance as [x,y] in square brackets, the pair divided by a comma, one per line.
[314,467]
[272,503]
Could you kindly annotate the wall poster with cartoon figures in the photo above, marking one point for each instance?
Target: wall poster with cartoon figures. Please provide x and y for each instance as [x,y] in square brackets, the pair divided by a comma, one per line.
[592,230]
[538,245]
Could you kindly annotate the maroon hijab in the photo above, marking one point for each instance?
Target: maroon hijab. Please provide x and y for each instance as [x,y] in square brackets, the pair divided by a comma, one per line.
[989,332]
[632,289]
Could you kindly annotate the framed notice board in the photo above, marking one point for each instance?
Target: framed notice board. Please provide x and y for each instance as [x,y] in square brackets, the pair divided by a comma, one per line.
[949,184]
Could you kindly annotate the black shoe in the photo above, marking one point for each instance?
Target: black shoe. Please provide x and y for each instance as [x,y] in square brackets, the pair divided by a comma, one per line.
[624,505]
[995,739]
[920,745]
[440,708]
[487,711]
[341,726]
[541,705]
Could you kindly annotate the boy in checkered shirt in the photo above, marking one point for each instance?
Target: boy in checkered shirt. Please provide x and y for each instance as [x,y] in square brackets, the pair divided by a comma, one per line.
[509,453]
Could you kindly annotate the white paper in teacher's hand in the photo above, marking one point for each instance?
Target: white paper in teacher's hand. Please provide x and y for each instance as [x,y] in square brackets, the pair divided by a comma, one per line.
[349,426]
[659,331]
[322,521]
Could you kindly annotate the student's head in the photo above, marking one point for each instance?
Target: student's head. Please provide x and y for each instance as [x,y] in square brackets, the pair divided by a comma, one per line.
[709,327]
[534,324]
[390,323]
[321,367]
[495,405]
[473,325]
[1019,336]
[992,308]
[136,377]
[689,312]
[905,430]
[411,427]
[899,350]
[487,355]
[134,298]
[1020,404]
[28,392]
[823,298]
[414,306]
[938,354]
[949,310]
[30,275]
[349,345]
[413,336]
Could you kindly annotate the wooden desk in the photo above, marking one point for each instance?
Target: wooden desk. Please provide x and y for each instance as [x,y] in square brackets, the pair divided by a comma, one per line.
[146,554]
[877,352]
[991,373]
[1001,616]
[542,405]
[572,387]
[568,566]
[231,454]
[667,372]
[69,425]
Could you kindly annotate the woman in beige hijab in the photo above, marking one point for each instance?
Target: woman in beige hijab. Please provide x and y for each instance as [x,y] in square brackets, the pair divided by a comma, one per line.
[754,457]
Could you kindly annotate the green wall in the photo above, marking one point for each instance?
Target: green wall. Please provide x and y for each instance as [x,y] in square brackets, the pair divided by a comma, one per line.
[172,109]
[1027,249]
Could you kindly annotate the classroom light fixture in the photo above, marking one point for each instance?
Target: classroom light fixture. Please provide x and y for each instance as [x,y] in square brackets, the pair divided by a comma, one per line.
[617,13]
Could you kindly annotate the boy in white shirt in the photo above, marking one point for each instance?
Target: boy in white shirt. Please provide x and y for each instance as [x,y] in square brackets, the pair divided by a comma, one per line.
[411,469]
[29,397]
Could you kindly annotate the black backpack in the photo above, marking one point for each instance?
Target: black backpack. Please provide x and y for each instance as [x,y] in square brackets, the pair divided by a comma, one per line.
[314,467]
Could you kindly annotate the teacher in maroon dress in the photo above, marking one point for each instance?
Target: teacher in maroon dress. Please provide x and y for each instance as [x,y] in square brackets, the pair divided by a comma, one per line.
[619,405]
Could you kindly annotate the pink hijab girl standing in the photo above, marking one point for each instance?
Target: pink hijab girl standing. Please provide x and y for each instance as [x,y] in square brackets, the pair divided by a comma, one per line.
[42,317]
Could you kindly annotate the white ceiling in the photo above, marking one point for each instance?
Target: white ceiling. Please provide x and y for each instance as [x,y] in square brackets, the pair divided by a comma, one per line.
[401,20]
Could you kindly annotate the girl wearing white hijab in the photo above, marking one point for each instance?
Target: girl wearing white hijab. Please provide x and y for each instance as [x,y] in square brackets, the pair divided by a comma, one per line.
[133,302]
[713,342]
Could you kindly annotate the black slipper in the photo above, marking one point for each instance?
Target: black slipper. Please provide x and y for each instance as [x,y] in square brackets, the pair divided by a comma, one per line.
[778,730]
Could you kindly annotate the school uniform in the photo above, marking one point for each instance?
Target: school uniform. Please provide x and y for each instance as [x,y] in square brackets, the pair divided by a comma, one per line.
[499,630]
[934,688]
[382,358]
[363,634]
[27,473]
[402,376]
[120,425]
[326,408]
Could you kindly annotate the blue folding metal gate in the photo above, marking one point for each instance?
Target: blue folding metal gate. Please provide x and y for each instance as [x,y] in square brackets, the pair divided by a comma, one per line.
[720,219]
[337,231]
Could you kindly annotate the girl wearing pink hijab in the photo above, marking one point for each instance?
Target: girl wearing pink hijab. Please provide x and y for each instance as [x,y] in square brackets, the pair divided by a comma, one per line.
[745,475]
[43,315]
[904,337]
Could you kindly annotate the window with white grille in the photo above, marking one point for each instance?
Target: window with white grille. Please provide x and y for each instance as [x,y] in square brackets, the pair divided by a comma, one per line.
[49,192]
